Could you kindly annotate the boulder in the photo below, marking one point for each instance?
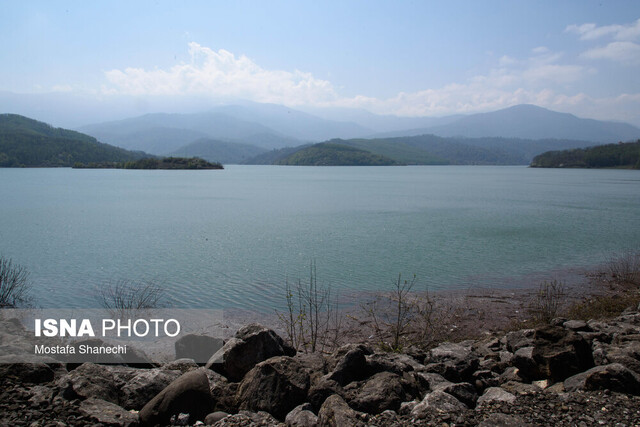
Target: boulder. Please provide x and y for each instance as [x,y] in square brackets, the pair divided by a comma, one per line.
[336,413]
[301,416]
[381,392]
[144,385]
[454,361]
[214,417]
[527,366]
[429,380]
[577,325]
[252,344]
[324,388]
[351,367]
[518,339]
[510,374]
[518,388]
[197,347]
[107,413]
[557,353]
[614,377]
[189,394]
[276,385]
[439,402]
[627,354]
[223,393]
[464,392]
[315,363]
[392,362]
[90,380]
[496,394]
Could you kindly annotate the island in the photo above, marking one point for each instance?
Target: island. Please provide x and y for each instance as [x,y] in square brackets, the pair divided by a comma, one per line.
[153,163]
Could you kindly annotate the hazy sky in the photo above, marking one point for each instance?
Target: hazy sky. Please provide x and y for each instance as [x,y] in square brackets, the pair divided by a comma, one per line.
[397,57]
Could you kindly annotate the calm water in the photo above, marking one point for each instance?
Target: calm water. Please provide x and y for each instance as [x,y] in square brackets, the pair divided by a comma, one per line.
[231,238]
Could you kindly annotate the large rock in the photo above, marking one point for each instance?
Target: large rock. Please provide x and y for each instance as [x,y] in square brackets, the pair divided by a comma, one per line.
[189,394]
[301,416]
[252,344]
[315,363]
[627,354]
[90,380]
[200,348]
[351,367]
[276,385]
[144,385]
[558,354]
[438,402]
[614,377]
[464,392]
[223,392]
[324,388]
[381,392]
[496,394]
[454,361]
[518,339]
[107,413]
[392,362]
[527,366]
[336,413]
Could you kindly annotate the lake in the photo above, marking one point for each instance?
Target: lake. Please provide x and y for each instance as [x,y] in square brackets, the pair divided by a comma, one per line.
[231,238]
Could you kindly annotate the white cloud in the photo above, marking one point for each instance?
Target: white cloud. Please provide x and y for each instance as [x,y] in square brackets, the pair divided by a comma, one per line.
[506,61]
[222,74]
[62,88]
[591,31]
[626,52]
[540,79]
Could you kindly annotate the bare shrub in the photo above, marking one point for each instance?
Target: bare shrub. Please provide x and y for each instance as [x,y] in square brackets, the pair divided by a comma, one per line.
[625,269]
[392,314]
[129,295]
[548,301]
[14,285]
[312,321]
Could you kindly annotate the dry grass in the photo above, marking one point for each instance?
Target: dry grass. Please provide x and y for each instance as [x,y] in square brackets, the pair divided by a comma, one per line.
[604,307]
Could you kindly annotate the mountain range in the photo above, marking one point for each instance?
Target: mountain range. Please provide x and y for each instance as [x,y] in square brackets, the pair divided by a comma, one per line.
[248,132]
[236,133]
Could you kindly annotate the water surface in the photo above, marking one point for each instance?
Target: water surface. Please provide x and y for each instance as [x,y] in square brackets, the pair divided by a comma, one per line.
[231,238]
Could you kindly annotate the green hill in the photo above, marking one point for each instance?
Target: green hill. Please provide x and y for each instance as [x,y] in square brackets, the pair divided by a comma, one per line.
[26,142]
[331,154]
[621,155]
[436,150]
[219,151]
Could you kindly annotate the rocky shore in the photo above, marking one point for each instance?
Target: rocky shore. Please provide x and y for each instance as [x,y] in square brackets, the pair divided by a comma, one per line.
[565,374]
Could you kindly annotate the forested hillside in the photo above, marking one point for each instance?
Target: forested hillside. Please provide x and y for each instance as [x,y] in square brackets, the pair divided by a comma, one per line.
[26,142]
[621,155]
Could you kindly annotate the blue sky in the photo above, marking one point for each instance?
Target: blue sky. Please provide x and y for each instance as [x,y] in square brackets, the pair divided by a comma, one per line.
[416,58]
